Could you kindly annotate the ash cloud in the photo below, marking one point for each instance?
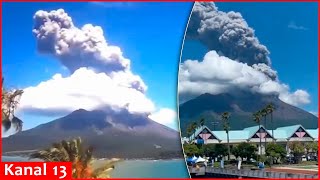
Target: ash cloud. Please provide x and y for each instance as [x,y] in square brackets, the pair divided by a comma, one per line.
[100,77]
[76,47]
[236,60]
[227,33]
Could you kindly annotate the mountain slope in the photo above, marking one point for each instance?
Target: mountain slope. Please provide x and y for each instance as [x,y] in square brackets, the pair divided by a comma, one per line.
[241,107]
[112,134]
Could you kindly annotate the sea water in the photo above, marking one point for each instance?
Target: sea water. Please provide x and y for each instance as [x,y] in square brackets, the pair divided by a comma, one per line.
[150,169]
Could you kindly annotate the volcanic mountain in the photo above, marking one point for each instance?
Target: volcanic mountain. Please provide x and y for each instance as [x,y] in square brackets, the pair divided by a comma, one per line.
[111,134]
[241,106]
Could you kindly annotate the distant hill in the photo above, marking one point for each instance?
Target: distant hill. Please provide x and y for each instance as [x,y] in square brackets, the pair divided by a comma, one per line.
[241,107]
[112,134]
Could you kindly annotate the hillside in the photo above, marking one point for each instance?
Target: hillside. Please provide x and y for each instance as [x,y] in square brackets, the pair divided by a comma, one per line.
[120,134]
[241,107]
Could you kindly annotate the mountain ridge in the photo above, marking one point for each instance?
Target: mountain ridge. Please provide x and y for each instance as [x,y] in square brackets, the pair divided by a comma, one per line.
[241,105]
[112,134]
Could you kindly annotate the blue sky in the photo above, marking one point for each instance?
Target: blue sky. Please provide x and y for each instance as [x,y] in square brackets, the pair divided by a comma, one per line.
[290,32]
[150,35]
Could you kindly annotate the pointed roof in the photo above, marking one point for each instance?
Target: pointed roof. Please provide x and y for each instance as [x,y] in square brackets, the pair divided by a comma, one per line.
[288,131]
[254,129]
[200,129]
[313,132]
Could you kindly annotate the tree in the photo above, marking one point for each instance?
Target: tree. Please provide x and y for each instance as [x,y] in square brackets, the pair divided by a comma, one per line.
[209,150]
[190,149]
[257,119]
[226,127]
[221,150]
[264,114]
[276,152]
[194,127]
[311,147]
[202,122]
[270,108]
[297,150]
[81,158]
[189,131]
[10,101]
[244,150]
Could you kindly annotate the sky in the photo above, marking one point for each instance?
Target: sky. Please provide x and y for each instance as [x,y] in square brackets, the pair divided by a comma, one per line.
[290,32]
[147,34]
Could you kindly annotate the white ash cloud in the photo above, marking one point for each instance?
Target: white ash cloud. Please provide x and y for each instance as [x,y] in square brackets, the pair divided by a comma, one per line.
[227,33]
[84,89]
[218,74]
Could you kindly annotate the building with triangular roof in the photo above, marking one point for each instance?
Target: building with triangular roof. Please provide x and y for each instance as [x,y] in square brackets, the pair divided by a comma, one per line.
[281,135]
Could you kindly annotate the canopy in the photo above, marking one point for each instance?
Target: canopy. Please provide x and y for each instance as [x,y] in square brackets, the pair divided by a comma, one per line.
[189,159]
[200,159]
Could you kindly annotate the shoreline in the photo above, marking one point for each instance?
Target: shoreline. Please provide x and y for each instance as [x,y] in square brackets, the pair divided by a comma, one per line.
[106,159]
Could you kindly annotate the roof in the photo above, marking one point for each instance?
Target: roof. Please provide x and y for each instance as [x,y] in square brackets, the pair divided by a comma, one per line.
[313,132]
[232,135]
[245,134]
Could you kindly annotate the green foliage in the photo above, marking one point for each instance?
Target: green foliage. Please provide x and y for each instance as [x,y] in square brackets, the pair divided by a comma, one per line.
[9,103]
[220,150]
[244,150]
[225,119]
[262,158]
[297,149]
[275,152]
[209,150]
[202,122]
[311,147]
[257,117]
[190,149]
[81,158]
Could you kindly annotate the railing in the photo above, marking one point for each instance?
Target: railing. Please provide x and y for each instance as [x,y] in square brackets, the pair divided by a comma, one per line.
[247,173]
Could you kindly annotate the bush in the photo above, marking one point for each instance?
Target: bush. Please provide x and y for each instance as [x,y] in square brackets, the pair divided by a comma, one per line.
[244,150]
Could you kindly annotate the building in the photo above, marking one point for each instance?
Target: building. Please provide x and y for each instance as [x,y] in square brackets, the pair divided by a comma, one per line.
[281,135]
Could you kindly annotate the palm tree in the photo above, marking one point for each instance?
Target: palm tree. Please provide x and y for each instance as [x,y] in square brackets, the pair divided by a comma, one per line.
[10,101]
[264,114]
[270,108]
[202,122]
[257,119]
[81,158]
[194,127]
[226,127]
[189,131]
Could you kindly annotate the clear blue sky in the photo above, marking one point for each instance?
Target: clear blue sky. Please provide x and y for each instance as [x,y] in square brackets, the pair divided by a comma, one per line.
[294,52]
[150,35]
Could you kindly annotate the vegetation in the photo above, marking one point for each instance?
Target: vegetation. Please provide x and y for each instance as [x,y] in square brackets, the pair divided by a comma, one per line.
[226,127]
[81,158]
[209,150]
[297,150]
[202,122]
[270,108]
[264,114]
[190,149]
[10,101]
[311,147]
[244,150]
[276,152]
[257,119]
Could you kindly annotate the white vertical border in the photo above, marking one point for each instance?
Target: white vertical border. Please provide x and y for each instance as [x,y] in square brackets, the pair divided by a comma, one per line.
[178,114]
